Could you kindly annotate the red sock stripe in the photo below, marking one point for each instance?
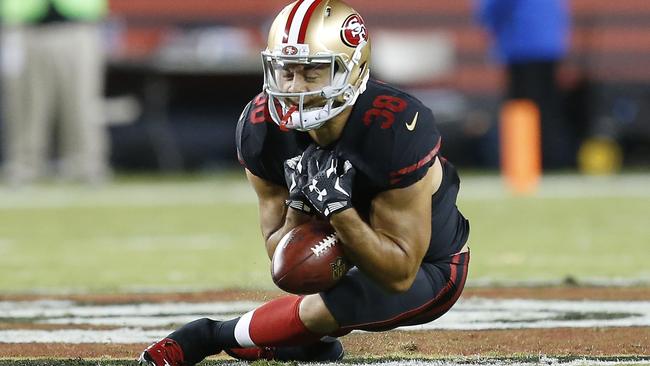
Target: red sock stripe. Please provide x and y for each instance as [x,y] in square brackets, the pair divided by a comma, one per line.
[287,26]
[277,323]
[305,21]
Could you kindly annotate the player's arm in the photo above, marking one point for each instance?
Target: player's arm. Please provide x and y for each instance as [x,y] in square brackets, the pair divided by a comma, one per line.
[391,246]
[275,219]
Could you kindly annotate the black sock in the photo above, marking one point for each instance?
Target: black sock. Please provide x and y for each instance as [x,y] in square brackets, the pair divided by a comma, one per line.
[204,337]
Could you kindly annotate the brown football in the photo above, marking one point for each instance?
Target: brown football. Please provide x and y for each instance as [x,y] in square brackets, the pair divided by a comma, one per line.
[309,259]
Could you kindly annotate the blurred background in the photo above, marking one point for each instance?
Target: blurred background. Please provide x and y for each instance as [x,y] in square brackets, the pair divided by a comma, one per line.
[177,75]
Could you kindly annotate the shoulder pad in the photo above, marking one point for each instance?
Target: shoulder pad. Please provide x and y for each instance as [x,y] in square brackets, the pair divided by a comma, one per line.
[239,131]
[403,135]
[249,139]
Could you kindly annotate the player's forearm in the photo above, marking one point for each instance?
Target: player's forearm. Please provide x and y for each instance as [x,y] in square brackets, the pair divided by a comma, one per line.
[293,218]
[377,255]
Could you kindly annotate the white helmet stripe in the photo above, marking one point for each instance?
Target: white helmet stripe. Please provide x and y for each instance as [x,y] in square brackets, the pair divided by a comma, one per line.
[285,32]
[298,19]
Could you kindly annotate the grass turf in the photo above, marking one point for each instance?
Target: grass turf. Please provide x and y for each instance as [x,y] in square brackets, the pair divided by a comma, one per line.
[202,232]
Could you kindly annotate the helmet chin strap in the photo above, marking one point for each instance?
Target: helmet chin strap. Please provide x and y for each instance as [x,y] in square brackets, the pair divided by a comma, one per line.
[298,119]
[287,116]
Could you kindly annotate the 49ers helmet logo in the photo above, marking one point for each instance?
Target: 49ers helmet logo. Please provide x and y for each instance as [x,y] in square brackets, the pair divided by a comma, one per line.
[290,50]
[353,31]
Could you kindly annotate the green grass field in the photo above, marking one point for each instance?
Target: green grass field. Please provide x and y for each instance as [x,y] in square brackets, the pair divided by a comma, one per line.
[170,233]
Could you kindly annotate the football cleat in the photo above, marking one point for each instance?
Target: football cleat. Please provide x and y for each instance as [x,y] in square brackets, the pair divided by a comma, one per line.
[323,351]
[162,353]
[252,354]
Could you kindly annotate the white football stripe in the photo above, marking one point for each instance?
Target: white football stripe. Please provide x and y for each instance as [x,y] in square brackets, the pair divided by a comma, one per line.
[137,320]
[298,18]
[242,334]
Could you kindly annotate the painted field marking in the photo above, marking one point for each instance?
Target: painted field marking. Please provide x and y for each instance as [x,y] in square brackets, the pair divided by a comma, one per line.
[543,361]
[479,313]
[145,322]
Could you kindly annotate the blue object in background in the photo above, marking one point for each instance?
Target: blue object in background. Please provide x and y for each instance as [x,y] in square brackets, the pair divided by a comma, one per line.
[526,30]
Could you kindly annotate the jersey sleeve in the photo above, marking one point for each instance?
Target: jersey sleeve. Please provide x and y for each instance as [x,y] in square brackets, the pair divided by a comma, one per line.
[259,149]
[249,139]
[415,146]
[239,134]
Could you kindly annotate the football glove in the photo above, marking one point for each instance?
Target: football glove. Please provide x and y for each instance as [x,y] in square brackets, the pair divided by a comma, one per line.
[296,177]
[329,188]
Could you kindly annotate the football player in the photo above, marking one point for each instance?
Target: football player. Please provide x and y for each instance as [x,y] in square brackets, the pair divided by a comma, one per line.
[325,141]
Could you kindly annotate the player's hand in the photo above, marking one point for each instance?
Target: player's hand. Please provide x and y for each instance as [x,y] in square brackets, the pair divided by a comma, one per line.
[329,187]
[295,176]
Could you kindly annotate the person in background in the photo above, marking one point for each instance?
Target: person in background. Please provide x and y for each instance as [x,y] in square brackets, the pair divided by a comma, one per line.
[53,71]
[531,38]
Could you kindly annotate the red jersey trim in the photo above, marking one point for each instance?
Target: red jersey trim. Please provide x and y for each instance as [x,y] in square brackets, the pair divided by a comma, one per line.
[397,175]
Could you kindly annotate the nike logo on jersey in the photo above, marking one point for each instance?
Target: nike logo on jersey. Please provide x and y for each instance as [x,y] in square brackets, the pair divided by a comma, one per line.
[411,126]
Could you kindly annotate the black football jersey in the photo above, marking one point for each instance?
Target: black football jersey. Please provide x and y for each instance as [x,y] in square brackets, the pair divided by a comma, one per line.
[390,138]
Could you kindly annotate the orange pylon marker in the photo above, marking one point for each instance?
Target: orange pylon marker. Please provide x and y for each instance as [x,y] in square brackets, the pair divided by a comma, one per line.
[521,157]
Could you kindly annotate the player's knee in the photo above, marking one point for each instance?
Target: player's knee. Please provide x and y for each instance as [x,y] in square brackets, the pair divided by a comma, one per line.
[315,315]
[398,287]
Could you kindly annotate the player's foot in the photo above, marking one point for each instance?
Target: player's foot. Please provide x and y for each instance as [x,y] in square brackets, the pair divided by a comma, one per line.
[252,354]
[330,350]
[162,353]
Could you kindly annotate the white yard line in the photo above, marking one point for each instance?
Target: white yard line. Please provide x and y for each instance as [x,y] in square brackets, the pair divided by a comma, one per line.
[583,281]
[76,336]
[135,321]
[477,314]
[56,309]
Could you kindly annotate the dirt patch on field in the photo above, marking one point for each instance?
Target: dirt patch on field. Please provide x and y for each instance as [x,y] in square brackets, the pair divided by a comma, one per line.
[490,343]
[621,341]
[542,293]
[562,293]
[41,326]
[134,298]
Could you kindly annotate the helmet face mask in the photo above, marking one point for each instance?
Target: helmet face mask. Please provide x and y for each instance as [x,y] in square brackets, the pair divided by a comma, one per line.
[314,75]
[323,89]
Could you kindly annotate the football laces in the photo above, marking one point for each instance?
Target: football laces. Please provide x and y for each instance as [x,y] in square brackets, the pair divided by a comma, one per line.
[324,245]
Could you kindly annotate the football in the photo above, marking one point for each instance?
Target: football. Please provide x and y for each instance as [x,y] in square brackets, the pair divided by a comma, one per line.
[309,259]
